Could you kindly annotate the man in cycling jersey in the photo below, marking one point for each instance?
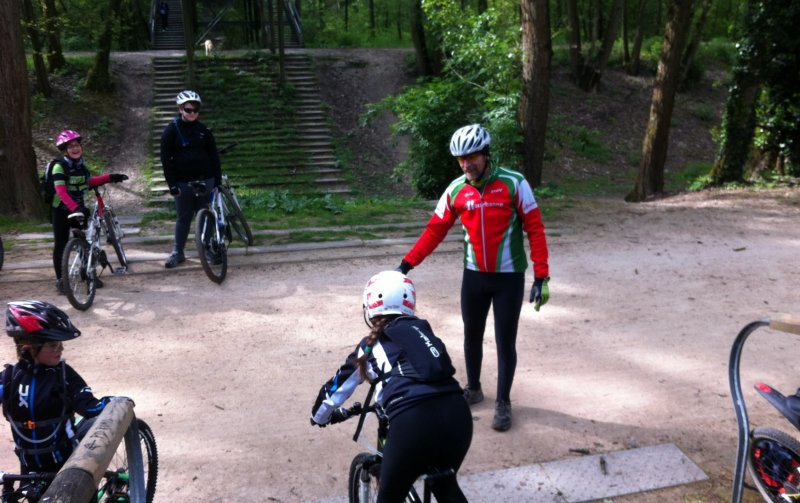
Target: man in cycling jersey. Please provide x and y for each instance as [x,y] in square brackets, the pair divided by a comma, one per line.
[40,394]
[495,205]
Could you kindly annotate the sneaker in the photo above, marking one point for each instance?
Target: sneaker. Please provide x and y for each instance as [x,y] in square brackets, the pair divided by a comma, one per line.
[174,259]
[473,396]
[502,416]
[60,287]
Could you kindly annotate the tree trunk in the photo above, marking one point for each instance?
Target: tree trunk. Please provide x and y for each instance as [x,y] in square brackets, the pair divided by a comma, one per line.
[42,81]
[18,175]
[482,6]
[626,55]
[739,122]
[575,56]
[424,66]
[650,180]
[694,43]
[189,18]
[52,27]
[99,77]
[271,25]
[371,7]
[612,28]
[281,43]
[534,103]
[636,52]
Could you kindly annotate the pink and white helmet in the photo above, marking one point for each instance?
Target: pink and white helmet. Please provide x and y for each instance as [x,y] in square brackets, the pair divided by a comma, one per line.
[389,292]
[67,136]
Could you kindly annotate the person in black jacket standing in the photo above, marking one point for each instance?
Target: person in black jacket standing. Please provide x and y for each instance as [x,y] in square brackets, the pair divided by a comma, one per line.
[430,421]
[188,153]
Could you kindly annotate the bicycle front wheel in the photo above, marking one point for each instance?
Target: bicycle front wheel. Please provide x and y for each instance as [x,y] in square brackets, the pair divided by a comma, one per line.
[773,463]
[235,216]
[78,274]
[210,246]
[115,484]
[114,234]
[363,482]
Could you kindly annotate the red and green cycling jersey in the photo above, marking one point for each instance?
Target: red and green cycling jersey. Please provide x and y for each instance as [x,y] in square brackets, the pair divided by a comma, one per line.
[493,220]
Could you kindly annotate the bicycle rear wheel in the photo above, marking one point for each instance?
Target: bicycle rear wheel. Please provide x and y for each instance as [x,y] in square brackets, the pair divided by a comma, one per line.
[235,216]
[773,463]
[212,252]
[114,234]
[114,486]
[77,275]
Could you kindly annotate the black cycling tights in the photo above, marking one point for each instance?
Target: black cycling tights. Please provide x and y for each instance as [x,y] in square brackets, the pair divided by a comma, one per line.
[434,433]
[61,228]
[504,292]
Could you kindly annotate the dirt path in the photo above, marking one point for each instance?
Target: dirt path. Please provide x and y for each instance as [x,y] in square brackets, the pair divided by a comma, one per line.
[631,351]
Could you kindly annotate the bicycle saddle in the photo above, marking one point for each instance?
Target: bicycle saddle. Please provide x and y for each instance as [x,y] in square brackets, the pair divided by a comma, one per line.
[789,406]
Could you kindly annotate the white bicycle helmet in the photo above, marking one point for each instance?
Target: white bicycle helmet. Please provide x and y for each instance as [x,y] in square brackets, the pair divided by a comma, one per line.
[187,95]
[389,292]
[469,139]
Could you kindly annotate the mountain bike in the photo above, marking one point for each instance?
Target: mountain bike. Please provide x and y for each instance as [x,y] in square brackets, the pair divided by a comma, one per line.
[363,481]
[84,253]
[771,456]
[113,487]
[231,207]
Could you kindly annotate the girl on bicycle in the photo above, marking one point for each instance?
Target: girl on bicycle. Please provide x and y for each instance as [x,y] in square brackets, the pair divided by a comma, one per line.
[71,179]
[41,394]
[430,421]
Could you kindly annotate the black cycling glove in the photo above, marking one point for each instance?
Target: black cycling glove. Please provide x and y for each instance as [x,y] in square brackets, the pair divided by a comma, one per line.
[117,177]
[404,267]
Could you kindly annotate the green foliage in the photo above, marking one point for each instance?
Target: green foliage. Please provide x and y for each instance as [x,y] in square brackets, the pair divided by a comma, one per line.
[429,113]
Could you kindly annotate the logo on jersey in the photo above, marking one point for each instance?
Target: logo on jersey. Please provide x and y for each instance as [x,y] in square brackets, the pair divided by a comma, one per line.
[24,391]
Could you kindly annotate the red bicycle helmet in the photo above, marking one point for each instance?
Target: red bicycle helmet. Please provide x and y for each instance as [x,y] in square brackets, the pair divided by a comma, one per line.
[39,322]
[65,137]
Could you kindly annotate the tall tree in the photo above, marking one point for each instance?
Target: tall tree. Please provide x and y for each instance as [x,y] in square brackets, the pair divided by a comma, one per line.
[694,43]
[18,175]
[650,179]
[636,51]
[99,77]
[42,80]
[427,62]
[534,104]
[52,28]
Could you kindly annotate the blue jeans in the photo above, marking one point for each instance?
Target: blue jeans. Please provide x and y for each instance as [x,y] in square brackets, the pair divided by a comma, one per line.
[186,205]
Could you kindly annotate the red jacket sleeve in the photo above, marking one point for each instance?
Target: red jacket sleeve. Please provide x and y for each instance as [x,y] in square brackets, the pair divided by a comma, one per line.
[99,180]
[435,231]
[534,228]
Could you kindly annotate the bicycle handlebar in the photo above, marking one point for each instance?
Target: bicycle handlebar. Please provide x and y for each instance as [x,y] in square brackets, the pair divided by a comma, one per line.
[15,477]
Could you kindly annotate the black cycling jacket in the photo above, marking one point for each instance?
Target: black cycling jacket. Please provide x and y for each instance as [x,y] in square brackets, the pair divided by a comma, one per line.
[40,403]
[395,392]
[189,152]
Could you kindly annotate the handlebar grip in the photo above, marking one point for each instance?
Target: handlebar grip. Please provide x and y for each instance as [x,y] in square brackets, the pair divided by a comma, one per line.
[786,323]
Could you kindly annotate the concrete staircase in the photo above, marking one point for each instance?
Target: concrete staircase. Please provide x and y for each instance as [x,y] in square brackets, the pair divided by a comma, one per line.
[300,156]
[173,37]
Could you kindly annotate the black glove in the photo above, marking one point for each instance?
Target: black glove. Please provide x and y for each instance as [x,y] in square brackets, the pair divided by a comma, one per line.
[404,267]
[540,292]
[314,423]
[174,191]
[116,178]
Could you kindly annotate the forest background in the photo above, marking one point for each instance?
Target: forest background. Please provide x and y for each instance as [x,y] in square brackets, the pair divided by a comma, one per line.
[476,61]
